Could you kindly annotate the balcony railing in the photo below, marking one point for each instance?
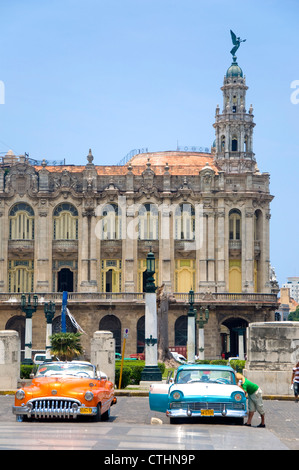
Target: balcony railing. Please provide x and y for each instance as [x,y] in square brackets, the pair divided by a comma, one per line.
[137,297]
[227,297]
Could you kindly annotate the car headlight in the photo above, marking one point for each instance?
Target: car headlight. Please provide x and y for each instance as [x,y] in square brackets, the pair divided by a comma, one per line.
[177,395]
[20,394]
[237,396]
[88,396]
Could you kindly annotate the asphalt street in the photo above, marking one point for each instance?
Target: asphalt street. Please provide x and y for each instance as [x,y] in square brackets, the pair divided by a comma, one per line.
[130,428]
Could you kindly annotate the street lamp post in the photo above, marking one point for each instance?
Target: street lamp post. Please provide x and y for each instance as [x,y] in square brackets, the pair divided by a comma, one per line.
[151,371]
[28,308]
[49,309]
[191,329]
[201,320]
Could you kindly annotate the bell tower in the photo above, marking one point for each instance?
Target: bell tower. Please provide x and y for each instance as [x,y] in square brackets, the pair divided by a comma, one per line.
[234,125]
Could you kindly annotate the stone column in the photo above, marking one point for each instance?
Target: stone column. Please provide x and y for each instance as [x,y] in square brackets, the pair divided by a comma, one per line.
[165,242]
[83,253]
[129,236]
[248,252]
[191,339]
[43,250]
[211,252]
[151,372]
[220,274]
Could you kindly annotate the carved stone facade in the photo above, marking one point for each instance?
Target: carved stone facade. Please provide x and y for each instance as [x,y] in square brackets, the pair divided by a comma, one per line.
[87,229]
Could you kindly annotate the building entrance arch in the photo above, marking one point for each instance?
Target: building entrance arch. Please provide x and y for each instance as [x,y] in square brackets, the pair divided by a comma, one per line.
[233,337]
[112,323]
[17,323]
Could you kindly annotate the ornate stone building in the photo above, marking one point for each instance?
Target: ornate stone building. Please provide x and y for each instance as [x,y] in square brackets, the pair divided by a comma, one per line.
[87,230]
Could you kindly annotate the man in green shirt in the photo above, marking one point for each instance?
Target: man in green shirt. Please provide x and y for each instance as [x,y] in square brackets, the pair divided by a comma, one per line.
[255,399]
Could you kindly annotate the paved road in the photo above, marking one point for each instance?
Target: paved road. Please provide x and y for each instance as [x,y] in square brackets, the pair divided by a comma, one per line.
[129,428]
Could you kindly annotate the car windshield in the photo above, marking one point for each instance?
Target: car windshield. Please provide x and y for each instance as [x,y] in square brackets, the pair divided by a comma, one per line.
[62,369]
[206,375]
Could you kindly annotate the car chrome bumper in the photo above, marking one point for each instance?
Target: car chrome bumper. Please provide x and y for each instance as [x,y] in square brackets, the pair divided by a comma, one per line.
[188,413]
[47,409]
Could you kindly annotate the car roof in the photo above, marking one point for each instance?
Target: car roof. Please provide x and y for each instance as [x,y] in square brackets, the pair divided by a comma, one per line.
[205,367]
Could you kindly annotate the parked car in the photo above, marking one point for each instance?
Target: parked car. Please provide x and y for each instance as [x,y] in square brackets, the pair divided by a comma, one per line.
[65,390]
[200,390]
[139,356]
[40,358]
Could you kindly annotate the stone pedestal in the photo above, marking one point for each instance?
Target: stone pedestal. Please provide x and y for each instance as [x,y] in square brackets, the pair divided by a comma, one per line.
[9,359]
[102,353]
[273,351]
[151,371]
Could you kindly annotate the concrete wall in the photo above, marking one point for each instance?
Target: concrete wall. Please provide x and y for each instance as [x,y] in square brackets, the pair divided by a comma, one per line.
[9,359]
[272,352]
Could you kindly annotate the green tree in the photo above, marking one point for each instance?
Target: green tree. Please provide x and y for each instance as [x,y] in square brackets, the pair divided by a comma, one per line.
[294,316]
[66,346]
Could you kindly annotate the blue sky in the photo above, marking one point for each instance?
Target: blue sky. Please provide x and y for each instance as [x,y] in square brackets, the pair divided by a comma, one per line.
[115,75]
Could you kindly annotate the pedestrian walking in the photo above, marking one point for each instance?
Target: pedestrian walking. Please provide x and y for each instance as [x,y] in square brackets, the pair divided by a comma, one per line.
[295,381]
[255,399]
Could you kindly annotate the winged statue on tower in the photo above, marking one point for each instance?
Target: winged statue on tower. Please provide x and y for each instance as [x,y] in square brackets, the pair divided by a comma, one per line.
[236,42]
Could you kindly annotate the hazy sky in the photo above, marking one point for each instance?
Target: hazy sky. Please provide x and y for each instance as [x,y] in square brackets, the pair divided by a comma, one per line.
[115,75]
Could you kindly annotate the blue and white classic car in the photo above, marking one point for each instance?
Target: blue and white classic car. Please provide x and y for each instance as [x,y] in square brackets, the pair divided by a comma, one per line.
[200,390]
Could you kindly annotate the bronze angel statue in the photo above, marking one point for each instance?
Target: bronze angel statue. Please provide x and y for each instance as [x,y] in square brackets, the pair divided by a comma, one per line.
[236,43]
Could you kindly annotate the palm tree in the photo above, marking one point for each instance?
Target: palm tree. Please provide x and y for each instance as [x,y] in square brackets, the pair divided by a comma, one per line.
[66,346]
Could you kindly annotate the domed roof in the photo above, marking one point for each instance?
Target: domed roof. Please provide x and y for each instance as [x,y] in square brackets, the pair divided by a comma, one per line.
[234,71]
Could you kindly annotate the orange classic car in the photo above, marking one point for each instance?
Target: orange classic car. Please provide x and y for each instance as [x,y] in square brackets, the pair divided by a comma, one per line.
[65,390]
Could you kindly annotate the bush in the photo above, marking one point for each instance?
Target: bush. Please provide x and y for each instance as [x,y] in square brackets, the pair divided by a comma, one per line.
[26,370]
[238,365]
[126,376]
[219,362]
[134,369]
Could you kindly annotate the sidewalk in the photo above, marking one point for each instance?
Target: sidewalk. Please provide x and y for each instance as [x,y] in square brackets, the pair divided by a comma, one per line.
[142,390]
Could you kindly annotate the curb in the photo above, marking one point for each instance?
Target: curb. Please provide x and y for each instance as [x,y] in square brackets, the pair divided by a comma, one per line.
[145,393]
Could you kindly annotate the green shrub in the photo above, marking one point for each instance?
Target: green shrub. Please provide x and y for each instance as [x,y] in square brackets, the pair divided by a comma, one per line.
[26,370]
[126,376]
[219,362]
[133,372]
[238,365]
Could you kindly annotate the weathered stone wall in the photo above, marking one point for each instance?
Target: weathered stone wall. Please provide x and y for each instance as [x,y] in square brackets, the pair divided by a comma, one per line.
[273,350]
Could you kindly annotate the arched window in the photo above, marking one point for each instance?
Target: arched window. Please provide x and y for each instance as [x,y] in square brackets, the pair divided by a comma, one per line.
[234,108]
[148,222]
[246,143]
[234,144]
[235,224]
[223,143]
[184,220]
[180,331]
[111,222]
[21,222]
[65,226]
[258,229]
